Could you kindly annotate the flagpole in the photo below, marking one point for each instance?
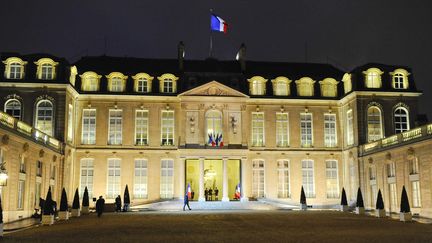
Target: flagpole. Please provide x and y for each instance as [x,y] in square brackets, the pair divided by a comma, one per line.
[211,36]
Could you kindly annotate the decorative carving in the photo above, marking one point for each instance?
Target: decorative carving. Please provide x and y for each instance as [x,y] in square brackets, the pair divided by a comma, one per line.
[25,147]
[234,121]
[192,124]
[243,107]
[5,139]
[54,158]
[388,156]
[370,160]
[213,91]
[41,153]
[201,106]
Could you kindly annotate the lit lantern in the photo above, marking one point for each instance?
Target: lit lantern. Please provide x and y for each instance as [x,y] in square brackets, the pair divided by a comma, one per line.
[3,176]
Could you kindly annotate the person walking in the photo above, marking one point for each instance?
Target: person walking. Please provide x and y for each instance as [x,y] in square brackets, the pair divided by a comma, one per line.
[118,203]
[186,202]
[100,204]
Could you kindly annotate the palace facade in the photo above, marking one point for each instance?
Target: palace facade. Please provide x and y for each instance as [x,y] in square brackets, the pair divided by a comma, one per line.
[159,125]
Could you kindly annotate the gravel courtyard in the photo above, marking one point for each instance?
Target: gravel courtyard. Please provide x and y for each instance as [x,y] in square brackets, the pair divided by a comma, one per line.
[227,226]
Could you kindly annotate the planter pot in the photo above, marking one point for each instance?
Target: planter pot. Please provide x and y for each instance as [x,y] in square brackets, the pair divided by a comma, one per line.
[344,208]
[75,212]
[63,215]
[405,217]
[380,213]
[85,210]
[360,210]
[47,219]
[303,206]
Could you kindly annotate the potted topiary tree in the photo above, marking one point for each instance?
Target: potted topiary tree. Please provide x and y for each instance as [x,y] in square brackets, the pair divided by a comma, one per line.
[126,199]
[85,202]
[64,211]
[303,204]
[405,210]
[48,210]
[359,204]
[344,202]
[379,209]
[75,205]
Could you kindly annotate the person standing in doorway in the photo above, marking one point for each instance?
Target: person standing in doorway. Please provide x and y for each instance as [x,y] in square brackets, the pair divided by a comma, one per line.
[216,194]
[210,193]
[186,202]
[100,204]
[206,194]
[118,203]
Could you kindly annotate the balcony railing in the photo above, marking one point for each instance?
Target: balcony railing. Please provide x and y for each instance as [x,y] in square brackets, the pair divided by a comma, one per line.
[415,134]
[28,131]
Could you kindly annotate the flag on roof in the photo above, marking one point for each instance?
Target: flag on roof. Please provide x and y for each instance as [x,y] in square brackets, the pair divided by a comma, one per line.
[218,24]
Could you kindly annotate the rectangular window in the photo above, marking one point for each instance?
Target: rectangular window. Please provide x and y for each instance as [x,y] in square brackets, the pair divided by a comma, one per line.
[306,129]
[115,127]
[87,172]
[38,192]
[393,197]
[70,123]
[113,178]
[414,167]
[330,130]
[372,173]
[168,86]
[22,164]
[38,168]
[140,180]
[332,179]
[391,170]
[257,129]
[89,126]
[283,179]
[141,127]
[350,128]
[142,85]
[21,188]
[416,194]
[167,128]
[258,178]
[15,71]
[308,178]
[167,178]
[282,130]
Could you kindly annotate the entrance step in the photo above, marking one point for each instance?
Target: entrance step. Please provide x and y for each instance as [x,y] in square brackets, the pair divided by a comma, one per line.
[213,205]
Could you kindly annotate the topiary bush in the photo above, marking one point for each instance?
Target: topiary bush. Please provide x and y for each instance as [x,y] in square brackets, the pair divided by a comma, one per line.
[302,196]
[126,197]
[85,201]
[1,212]
[48,205]
[379,202]
[344,201]
[405,207]
[359,203]
[63,201]
[75,204]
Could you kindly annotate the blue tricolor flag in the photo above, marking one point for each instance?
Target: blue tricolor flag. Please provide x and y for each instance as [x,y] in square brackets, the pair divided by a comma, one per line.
[189,191]
[218,24]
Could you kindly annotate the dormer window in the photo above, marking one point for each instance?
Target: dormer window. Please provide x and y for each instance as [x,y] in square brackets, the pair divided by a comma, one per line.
[168,83]
[400,79]
[90,81]
[305,86]
[281,86]
[257,85]
[328,87]
[116,82]
[14,68]
[346,79]
[46,69]
[142,83]
[373,78]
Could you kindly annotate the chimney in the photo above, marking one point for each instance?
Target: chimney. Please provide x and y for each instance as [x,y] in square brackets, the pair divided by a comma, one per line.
[180,55]
[241,57]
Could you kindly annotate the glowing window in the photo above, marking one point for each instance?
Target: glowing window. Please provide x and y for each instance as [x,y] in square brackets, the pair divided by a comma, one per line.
[14,68]
[90,81]
[168,83]
[400,79]
[374,124]
[44,117]
[373,78]
[214,128]
[13,108]
[401,120]
[257,85]
[305,87]
[329,87]
[281,86]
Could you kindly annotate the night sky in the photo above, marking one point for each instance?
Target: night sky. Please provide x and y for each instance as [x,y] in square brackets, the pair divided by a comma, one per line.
[345,33]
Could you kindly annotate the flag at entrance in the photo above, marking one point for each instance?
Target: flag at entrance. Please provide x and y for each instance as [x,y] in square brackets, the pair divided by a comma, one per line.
[189,191]
[218,24]
[237,192]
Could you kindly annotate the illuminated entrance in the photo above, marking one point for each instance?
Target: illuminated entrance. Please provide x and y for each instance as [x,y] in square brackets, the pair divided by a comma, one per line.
[208,177]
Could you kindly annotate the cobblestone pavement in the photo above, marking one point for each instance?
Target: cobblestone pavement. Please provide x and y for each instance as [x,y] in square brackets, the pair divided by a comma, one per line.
[227,226]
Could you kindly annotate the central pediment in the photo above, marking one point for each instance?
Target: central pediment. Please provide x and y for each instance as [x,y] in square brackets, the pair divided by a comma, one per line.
[213,88]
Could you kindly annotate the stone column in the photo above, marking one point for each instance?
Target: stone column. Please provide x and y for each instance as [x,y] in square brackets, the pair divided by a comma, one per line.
[243,185]
[225,197]
[201,197]
[181,178]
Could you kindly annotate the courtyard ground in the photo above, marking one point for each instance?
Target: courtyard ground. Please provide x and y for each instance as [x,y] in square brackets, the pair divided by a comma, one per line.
[226,226]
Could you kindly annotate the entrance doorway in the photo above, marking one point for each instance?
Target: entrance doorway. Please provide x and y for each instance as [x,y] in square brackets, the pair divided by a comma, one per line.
[213,178]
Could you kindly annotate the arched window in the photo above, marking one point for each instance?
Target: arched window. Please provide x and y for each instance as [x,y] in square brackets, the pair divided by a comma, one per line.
[281,86]
[214,128]
[44,117]
[13,108]
[14,68]
[374,123]
[15,71]
[47,71]
[168,83]
[373,78]
[257,85]
[401,120]
[143,82]
[328,87]
[400,78]
[305,86]
[90,81]
[116,82]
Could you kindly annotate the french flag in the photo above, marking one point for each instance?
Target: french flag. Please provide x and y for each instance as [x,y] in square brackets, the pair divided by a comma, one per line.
[218,24]
[189,191]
